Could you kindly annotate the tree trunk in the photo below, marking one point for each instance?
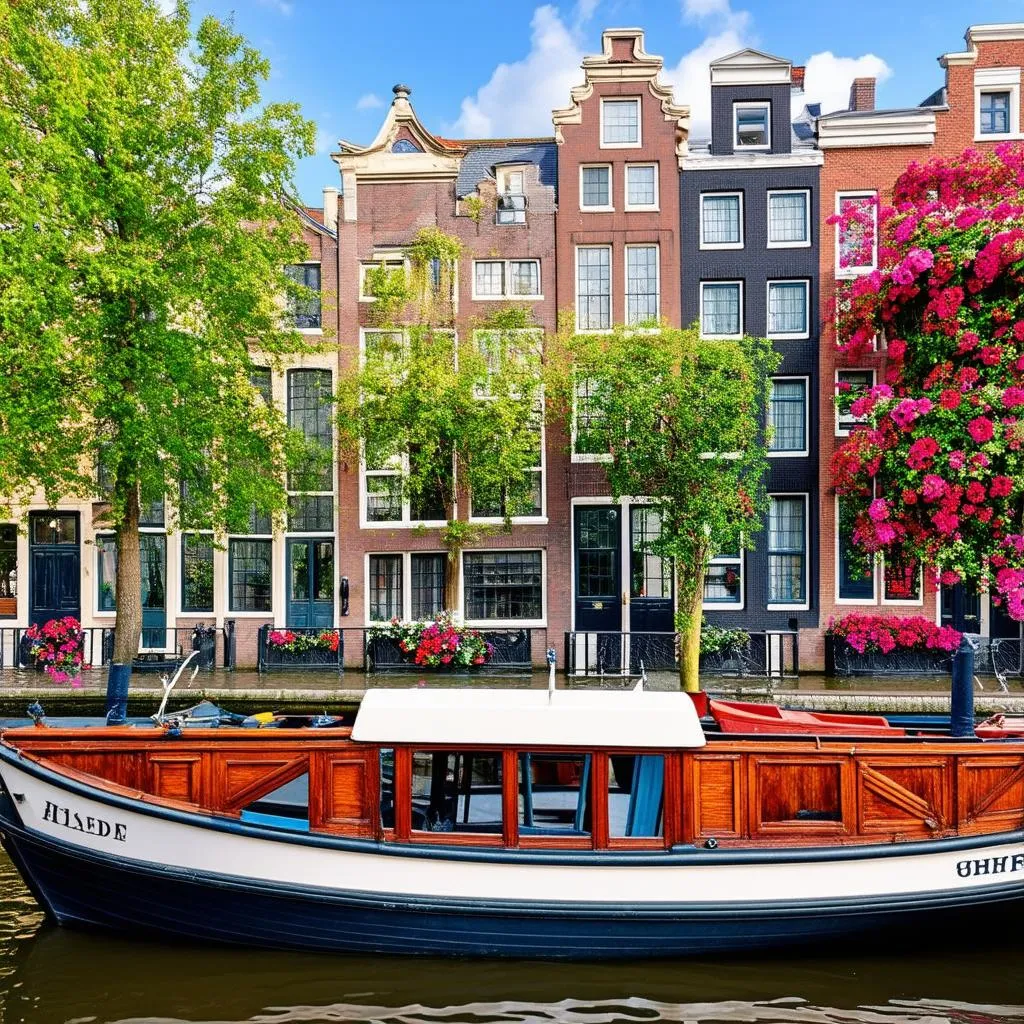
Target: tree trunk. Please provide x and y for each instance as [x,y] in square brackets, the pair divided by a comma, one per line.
[689,638]
[128,628]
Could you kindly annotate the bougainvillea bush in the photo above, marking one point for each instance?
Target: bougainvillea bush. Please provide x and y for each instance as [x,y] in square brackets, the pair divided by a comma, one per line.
[936,474]
[57,646]
[870,634]
[441,642]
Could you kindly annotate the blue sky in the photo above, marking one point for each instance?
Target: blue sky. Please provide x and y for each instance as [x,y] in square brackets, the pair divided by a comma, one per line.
[479,68]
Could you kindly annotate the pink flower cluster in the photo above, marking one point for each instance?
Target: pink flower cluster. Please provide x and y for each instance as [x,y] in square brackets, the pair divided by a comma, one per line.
[57,646]
[868,634]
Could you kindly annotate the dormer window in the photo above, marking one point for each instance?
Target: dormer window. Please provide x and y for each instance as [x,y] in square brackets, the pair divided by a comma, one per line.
[511,195]
[996,103]
[751,125]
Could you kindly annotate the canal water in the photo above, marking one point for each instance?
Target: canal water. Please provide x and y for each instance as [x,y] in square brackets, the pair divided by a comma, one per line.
[54,976]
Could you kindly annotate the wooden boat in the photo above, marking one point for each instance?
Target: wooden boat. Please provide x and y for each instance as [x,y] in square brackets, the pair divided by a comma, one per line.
[757,719]
[566,824]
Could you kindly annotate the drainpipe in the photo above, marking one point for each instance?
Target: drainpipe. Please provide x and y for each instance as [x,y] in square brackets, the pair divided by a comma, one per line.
[961,703]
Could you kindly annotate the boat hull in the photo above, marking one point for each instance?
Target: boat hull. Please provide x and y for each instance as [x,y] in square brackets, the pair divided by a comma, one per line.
[97,866]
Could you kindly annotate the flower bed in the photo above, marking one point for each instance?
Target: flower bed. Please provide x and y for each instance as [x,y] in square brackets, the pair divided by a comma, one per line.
[439,644]
[859,644]
[57,646]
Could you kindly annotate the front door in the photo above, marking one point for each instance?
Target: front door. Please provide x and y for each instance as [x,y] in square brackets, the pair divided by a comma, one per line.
[310,583]
[55,566]
[650,575]
[596,542]
[153,573]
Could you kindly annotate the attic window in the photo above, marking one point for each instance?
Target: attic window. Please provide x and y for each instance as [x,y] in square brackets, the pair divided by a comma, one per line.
[405,146]
[751,123]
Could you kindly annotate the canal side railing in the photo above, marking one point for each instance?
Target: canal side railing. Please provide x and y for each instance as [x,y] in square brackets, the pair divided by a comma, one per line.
[772,654]
[162,648]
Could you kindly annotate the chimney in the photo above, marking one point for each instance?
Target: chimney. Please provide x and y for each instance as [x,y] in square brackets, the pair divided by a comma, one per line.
[797,75]
[862,94]
[331,208]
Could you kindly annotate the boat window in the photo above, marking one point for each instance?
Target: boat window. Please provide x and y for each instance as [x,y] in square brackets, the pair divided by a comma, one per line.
[800,792]
[284,807]
[636,784]
[387,787]
[456,792]
[554,794]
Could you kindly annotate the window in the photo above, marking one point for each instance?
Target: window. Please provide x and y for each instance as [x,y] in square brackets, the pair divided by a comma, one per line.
[384,588]
[596,187]
[260,379]
[197,572]
[787,309]
[554,794]
[641,186]
[494,503]
[504,279]
[8,571]
[457,792]
[901,581]
[428,574]
[720,309]
[285,806]
[382,346]
[787,416]
[388,264]
[511,181]
[590,442]
[636,784]
[721,221]
[593,288]
[641,283]
[259,522]
[503,585]
[620,123]
[789,219]
[850,385]
[787,549]
[857,235]
[151,513]
[856,568]
[249,566]
[106,573]
[511,207]
[752,125]
[310,410]
[386,500]
[305,312]
[650,574]
[310,513]
[994,113]
[723,582]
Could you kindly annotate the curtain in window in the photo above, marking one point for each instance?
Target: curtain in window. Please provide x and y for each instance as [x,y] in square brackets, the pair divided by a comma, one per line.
[721,309]
[720,218]
[787,415]
[787,308]
[786,540]
[787,217]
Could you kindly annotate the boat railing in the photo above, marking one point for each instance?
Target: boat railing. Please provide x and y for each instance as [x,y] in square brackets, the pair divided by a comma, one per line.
[769,654]
[160,647]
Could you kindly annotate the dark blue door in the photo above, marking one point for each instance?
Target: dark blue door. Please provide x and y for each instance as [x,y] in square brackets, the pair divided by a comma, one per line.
[153,570]
[310,582]
[597,544]
[55,566]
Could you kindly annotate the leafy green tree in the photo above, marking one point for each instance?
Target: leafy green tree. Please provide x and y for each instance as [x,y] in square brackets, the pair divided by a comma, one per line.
[683,420]
[142,252]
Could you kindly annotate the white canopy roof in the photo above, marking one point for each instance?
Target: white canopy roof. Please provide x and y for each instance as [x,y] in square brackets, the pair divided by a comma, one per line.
[642,719]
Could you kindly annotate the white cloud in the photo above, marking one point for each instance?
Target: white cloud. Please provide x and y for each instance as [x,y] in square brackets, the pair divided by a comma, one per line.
[519,97]
[695,9]
[829,78]
[368,101]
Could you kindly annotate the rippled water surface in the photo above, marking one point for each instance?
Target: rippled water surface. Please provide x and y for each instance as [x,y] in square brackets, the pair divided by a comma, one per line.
[52,975]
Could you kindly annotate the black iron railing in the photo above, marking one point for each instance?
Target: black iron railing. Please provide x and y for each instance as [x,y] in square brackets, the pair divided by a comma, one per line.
[512,653]
[770,654]
[165,647]
[303,648]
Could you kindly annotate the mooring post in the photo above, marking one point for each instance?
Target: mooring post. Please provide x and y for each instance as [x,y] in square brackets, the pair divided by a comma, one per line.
[961,703]
[118,677]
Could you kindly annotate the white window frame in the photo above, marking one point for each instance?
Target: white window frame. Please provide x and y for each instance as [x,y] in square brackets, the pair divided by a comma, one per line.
[700,221]
[507,623]
[657,276]
[729,606]
[805,451]
[767,144]
[611,290]
[609,207]
[989,80]
[391,256]
[722,337]
[502,175]
[864,193]
[505,293]
[788,335]
[406,557]
[639,123]
[785,605]
[582,457]
[839,430]
[398,468]
[275,581]
[627,205]
[850,601]
[806,193]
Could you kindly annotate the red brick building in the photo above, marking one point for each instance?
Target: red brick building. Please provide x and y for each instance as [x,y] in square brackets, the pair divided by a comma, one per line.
[865,151]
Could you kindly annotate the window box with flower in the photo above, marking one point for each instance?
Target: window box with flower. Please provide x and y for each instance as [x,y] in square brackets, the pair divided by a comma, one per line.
[888,645]
[440,644]
[300,647]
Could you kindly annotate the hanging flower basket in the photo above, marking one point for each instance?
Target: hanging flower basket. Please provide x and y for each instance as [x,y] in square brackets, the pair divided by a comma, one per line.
[57,645]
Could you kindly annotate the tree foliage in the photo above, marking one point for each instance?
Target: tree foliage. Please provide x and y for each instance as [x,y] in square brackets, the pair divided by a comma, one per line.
[683,420]
[143,250]
[936,475]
